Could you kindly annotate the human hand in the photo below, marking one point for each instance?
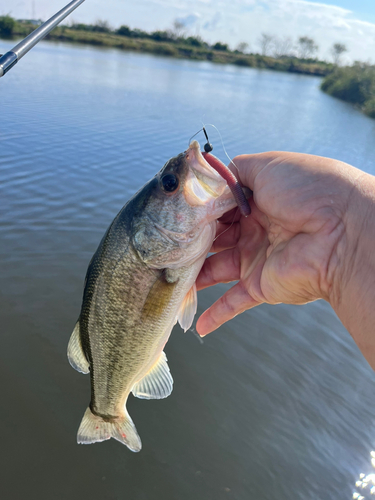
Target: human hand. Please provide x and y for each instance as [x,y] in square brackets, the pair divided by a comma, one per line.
[287,250]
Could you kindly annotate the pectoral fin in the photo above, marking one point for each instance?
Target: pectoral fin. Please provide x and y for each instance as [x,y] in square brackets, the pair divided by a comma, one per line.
[188,309]
[157,383]
[76,356]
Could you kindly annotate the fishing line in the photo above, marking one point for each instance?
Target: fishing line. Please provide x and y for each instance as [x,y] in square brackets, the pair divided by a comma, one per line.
[227,229]
[203,129]
[200,130]
[222,143]
[196,334]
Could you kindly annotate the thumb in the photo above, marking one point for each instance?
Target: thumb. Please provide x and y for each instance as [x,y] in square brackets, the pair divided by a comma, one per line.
[247,167]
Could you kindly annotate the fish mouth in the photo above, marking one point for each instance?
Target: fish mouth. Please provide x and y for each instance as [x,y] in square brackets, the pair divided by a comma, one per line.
[203,183]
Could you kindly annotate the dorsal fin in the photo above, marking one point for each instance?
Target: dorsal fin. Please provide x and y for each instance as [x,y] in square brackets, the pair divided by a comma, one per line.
[188,309]
[76,356]
[157,383]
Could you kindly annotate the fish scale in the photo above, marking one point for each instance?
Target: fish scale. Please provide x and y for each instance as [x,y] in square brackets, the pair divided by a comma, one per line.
[140,281]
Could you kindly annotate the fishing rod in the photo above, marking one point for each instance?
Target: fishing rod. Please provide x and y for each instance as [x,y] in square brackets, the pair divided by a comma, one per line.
[8,60]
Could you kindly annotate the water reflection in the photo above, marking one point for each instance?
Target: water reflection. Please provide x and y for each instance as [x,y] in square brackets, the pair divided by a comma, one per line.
[365,483]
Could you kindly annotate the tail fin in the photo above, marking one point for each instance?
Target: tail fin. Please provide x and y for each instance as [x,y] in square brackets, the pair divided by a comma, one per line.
[94,429]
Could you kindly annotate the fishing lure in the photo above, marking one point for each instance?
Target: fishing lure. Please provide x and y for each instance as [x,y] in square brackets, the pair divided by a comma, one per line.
[231,179]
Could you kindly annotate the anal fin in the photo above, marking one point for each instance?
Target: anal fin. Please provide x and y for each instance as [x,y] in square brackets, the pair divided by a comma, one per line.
[188,309]
[76,356]
[157,383]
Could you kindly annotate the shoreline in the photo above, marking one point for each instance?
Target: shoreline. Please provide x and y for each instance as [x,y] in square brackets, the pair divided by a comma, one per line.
[180,50]
[353,84]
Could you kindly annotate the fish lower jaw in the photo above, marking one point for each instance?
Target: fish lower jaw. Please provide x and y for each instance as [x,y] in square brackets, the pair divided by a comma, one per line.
[221,205]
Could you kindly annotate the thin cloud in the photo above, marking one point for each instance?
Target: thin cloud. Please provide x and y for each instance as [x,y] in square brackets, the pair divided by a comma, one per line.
[230,21]
[190,20]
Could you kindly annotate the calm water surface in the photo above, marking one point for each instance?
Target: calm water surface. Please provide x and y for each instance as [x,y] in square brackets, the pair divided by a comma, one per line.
[278,404]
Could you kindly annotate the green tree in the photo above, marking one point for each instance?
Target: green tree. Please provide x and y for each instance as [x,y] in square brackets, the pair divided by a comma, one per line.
[124,30]
[137,33]
[102,27]
[282,47]
[7,25]
[195,41]
[242,47]
[178,30]
[265,42]
[220,46]
[337,50]
[306,47]
[99,27]
[162,36]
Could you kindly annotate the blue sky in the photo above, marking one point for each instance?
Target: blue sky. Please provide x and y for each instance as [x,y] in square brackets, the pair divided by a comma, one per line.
[232,21]
[363,9]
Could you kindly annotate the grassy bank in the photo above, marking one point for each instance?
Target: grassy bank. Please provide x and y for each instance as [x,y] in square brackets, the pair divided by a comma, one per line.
[164,43]
[355,84]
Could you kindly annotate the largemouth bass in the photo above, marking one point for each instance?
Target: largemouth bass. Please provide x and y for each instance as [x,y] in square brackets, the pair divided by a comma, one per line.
[139,283]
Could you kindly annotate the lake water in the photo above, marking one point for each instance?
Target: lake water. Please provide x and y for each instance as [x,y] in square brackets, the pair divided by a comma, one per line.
[278,404]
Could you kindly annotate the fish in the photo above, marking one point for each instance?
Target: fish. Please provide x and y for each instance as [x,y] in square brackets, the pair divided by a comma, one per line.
[139,283]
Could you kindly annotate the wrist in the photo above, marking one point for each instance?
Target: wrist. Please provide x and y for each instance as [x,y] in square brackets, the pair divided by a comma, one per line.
[354,250]
[352,266]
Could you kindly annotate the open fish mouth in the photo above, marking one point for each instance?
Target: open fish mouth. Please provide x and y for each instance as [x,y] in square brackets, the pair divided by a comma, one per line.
[203,183]
[223,171]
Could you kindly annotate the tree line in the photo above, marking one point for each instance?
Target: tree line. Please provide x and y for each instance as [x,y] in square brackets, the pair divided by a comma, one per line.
[304,48]
[176,34]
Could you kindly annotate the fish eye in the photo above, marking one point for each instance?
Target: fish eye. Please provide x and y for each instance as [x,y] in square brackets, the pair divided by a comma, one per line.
[169,183]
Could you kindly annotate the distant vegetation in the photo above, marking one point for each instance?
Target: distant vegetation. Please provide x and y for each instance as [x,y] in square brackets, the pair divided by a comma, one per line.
[7,26]
[175,42]
[355,84]
[337,50]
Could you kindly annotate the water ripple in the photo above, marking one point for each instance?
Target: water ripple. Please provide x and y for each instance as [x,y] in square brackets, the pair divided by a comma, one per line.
[279,404]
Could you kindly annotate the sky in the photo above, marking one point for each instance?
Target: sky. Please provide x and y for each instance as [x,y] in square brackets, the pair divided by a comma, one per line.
[231,21]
